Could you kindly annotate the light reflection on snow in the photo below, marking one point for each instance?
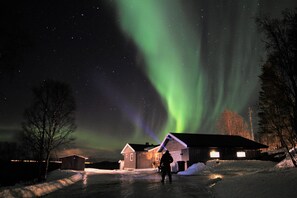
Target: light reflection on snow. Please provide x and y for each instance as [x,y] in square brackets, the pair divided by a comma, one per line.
[215,176]
[85,181]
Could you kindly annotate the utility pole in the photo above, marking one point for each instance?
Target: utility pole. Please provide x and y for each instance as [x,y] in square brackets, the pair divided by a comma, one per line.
[251,122]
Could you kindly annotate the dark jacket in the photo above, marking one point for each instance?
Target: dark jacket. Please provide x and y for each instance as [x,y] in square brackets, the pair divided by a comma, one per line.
[166,160]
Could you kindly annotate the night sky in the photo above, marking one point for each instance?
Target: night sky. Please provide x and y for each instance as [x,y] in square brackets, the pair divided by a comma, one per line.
[138,68]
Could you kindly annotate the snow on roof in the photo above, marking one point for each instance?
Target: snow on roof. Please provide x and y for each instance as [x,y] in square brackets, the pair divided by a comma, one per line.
[213,140]
[139,147]
[157,147]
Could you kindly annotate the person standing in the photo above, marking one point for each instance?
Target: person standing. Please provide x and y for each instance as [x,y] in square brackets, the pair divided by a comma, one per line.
[165,162]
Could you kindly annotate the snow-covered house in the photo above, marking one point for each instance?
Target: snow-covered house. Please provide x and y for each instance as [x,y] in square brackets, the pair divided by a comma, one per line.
[138,156]
[187,148]
[73,162]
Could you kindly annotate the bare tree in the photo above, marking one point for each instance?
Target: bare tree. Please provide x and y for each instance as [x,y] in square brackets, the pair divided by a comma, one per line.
[281,47]
[49,122]
[277,101]
[231,123]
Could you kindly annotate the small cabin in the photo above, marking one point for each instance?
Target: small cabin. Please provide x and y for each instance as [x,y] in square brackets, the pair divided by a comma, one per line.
[140,156]
[73,162]
[187,149]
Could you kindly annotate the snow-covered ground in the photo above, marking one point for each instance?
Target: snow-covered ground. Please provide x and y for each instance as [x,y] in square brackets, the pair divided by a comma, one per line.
[270,183]
[56,180]
[245,178]
[277,181]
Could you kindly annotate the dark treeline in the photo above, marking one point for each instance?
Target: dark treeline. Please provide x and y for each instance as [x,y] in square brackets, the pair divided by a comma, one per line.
[12,173]
[277,101]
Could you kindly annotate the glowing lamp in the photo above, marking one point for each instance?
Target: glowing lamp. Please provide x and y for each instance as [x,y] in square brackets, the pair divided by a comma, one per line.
[214,154]
[240,154]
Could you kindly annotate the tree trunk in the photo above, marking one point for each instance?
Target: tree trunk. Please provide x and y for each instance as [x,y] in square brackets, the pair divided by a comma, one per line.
[40,170]
[40,160]
[46,165]
[288,150]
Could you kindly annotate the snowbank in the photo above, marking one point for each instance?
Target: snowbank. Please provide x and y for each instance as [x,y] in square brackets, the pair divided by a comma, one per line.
[61,174]
[44,188]
[287,162]
[193,170]
[91,171]
[233,167]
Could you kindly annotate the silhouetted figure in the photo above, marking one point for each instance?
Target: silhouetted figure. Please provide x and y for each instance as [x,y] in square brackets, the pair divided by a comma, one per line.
[165,162]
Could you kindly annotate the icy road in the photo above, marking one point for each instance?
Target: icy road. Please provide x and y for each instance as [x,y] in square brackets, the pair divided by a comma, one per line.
[220,179]
[135,184]
[230,179]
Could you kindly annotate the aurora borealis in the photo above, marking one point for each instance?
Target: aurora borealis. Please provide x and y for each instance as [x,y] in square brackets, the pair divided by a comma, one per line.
[171,59]
[196,79]
[139,68]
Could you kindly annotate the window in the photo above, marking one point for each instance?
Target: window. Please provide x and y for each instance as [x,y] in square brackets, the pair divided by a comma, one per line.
[131,156]
[157,157]
[240,154]
[214,154]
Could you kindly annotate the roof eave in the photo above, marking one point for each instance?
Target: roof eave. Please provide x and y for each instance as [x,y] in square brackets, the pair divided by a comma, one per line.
[127,145]
[168,138]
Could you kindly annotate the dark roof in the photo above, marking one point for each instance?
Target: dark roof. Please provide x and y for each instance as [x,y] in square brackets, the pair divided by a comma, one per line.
[142,147]
[207,140]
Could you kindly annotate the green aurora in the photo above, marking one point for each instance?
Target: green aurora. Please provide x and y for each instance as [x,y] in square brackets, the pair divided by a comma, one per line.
[199,63]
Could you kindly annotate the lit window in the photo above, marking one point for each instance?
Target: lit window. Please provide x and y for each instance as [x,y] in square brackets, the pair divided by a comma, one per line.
[131,156]
[240,154]
[214,154]
[157,157]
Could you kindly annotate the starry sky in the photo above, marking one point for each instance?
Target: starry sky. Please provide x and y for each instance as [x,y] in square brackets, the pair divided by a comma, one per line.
[138,69]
